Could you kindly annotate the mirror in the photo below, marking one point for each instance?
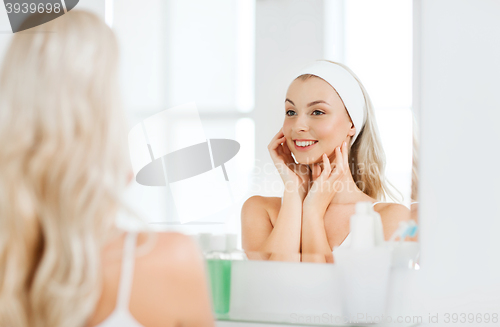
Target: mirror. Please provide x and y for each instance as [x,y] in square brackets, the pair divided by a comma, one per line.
[233,62]
[219,73]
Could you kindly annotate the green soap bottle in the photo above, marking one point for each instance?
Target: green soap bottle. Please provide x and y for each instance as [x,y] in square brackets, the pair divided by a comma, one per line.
[219,271]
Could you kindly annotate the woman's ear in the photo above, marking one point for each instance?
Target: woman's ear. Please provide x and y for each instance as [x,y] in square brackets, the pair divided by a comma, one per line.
[352,130]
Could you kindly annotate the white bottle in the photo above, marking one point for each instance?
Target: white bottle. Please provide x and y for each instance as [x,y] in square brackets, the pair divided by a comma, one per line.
[217,248]
[362,225]
[364,267]
[204,240]
[367,226]
[378,228]
[232,248]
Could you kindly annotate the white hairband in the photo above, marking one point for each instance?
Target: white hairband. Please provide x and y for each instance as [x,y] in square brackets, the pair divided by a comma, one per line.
[347,88]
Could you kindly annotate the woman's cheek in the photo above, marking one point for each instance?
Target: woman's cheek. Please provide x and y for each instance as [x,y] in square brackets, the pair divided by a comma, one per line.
[286,129]
[287,134]
[326,130]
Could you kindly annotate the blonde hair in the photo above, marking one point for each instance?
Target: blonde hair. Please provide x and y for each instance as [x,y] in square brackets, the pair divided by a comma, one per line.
[63,164]
[415,166]
[366,155]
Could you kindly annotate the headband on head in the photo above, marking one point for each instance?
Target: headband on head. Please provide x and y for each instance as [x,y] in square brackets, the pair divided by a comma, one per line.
[347,88]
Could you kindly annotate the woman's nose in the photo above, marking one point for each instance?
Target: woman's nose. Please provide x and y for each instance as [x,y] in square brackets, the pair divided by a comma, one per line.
[300,123]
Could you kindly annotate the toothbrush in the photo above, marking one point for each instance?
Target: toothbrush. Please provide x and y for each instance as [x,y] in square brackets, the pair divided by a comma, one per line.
[406,228]
[410,231]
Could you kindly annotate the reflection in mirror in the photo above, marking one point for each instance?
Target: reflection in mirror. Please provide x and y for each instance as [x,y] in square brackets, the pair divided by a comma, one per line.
[379,160]
[252,53]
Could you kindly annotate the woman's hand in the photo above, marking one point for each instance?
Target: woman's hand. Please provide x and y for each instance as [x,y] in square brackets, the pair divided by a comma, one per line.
[325,183]
[294,176]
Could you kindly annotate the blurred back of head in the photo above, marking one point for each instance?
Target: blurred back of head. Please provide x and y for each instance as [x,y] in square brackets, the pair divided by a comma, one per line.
[63,163]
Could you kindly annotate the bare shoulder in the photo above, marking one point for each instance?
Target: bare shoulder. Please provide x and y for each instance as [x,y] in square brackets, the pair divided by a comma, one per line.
[253,202]
[173,272]
[257,215]
[168,265]
[393,208]
[258,201]
[391,215]
[273,203]
[173,259]
[177,243]
[260,205]
[173,250]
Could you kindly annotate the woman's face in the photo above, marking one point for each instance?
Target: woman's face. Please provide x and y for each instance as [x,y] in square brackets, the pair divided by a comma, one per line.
[315,112]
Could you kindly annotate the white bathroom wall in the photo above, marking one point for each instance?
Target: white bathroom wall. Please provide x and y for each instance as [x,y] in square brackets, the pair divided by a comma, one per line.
[289,34]
[456,91]
[141,35]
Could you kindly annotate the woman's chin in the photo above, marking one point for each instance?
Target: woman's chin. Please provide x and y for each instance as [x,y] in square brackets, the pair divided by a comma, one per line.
[307,160]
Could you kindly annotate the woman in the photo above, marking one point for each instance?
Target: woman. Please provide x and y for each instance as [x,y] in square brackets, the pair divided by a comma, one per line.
[331,131]
[63,166]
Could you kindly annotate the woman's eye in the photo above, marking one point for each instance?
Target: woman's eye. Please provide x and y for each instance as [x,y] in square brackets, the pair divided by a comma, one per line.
[320,112]
[290,112]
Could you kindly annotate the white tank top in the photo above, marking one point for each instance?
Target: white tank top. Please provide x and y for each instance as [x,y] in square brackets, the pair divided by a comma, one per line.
[347,240]
[121,316]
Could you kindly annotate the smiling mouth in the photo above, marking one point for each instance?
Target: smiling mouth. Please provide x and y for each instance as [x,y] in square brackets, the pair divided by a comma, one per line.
[304,145]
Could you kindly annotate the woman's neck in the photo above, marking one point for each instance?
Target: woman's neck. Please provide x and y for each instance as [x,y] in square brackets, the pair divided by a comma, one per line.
[349,192]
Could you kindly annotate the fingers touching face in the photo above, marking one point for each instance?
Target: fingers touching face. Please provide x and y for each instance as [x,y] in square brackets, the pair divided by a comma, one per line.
[339,163]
